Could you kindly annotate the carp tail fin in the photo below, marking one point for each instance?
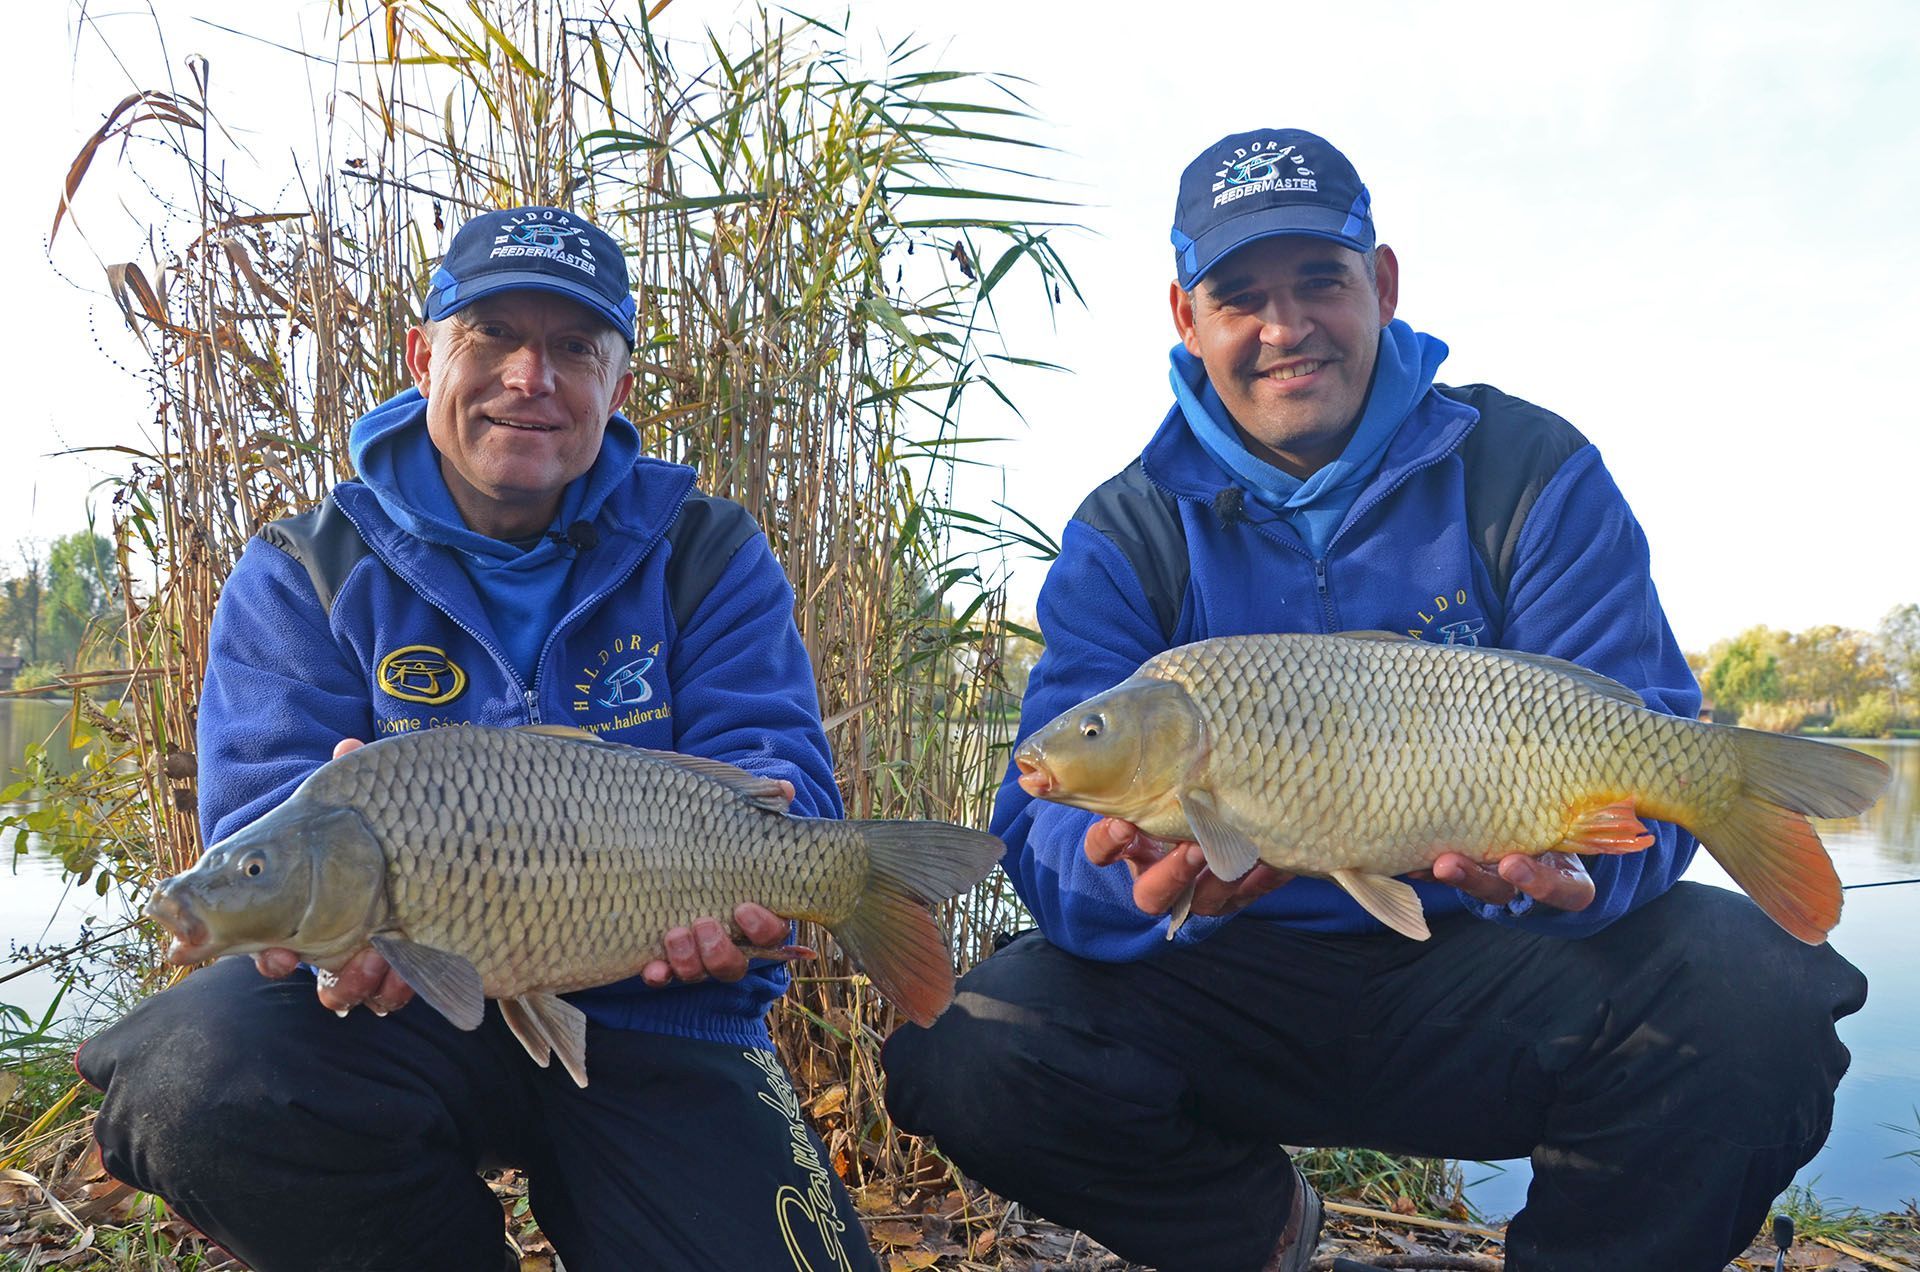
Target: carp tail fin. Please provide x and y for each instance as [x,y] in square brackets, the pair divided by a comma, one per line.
[891,933]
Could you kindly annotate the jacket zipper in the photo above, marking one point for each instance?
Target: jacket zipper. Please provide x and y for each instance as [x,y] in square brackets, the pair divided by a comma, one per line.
[1321,586]
[540,661]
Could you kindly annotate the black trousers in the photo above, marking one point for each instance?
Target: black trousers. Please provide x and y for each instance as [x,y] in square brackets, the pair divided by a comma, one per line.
[1667,1076]
[301,1140]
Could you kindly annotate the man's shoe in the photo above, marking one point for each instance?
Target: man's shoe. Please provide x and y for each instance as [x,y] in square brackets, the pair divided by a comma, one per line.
[1301,1237]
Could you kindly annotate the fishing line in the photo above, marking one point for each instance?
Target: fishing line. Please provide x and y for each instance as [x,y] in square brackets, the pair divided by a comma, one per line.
[1884,883]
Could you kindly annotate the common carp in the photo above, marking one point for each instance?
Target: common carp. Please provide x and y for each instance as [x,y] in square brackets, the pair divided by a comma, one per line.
[1364,755]
[520,864]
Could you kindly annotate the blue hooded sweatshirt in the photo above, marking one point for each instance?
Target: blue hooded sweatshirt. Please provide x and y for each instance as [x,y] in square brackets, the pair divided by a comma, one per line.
[393,617]
[1399,559]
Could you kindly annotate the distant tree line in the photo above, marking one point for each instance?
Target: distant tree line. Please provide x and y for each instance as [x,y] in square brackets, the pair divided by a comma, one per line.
[1833,679]
[53,595]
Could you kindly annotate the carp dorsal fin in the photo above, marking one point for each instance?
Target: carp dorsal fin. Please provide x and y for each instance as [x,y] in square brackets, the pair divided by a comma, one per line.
[561,731]
[761,792]
[1605,686]
[449,983]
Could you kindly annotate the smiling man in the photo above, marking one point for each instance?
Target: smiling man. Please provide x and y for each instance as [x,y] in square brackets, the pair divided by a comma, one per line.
[506,557]
[1663,1051]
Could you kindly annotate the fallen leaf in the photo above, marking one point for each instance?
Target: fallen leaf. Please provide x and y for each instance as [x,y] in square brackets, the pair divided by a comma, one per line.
[983,1244]
[895,1234]
[874,1199]
[911,1260]
[80,1247]
[832,1100]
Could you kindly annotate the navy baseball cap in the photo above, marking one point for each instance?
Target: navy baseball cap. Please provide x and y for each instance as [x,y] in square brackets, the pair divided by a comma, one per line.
[1260,184]
[537,249]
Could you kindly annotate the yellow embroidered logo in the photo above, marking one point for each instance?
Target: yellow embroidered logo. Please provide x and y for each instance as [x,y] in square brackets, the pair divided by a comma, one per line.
[1458,631]
[421,673]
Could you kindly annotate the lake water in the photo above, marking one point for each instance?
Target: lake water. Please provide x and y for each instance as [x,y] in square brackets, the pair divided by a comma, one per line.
[38,907]
[1859,1165]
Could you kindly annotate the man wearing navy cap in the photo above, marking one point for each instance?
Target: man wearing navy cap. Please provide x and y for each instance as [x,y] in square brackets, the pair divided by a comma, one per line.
[1662,1051]
[506,556]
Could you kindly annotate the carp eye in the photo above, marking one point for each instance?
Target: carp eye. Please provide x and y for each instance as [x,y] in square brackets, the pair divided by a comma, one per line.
[1093,725]
[253,865]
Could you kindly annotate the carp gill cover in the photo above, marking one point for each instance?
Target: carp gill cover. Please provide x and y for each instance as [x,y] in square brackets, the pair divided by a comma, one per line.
[520,864]
[1364,755]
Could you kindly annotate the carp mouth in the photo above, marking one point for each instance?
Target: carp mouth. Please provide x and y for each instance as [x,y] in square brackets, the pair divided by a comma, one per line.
[1035,778]
[191,940]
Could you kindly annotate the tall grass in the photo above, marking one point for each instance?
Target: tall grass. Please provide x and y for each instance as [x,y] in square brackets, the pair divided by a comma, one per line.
[817,247]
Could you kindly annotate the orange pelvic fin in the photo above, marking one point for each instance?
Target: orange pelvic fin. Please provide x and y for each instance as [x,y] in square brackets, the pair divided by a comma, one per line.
[1611,828]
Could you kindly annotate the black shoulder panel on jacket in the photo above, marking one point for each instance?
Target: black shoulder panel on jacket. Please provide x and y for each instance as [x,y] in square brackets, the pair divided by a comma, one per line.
[1510,456]
[704,536]
[1143,521]
[322,540]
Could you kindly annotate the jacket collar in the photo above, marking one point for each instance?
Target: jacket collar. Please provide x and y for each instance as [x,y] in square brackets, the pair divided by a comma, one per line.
[1175,461]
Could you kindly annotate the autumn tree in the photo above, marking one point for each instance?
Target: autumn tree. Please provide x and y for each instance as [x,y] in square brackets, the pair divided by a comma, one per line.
[1743,671]
[1900,652]
[22,601]
[1830,668]
[81,587]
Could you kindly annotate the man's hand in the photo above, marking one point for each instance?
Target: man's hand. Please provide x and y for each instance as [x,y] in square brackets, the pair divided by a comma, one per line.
[1558,879]
[365,978]
[703,949]
[1162,871]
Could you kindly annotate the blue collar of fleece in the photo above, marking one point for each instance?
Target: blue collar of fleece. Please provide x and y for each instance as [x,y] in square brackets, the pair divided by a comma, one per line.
[1403,371]
[400,464]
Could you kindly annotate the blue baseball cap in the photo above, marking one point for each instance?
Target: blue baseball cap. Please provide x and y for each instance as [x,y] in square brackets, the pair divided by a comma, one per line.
[1261,184]
[537,249]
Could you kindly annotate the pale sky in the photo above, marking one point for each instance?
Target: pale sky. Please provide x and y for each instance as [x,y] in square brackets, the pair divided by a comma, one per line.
[1688,228]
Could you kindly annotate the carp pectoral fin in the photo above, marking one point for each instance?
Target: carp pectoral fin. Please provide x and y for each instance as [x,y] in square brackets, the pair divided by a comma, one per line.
[449,983]
[1389,900]
[1181,910]
[1611,828]
[1230,854]
[547,1024]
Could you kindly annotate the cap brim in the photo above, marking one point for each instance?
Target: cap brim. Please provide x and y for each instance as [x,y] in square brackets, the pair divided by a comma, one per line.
[1229,237]
[494,284]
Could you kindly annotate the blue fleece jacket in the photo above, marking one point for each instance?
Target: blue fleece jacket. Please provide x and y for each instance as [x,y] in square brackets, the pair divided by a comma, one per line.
[1400,560]
[407,643]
